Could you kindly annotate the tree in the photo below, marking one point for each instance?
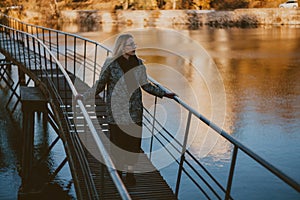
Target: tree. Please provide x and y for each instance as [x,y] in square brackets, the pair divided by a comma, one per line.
[7,3]
[229,4]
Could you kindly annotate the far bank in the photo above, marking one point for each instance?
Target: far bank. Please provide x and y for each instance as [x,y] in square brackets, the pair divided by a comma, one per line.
[162,18]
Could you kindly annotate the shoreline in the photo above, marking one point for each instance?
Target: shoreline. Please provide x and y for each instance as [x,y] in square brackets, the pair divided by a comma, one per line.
[194,18]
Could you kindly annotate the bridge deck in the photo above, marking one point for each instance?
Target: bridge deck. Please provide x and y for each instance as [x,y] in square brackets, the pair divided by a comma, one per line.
[150,185]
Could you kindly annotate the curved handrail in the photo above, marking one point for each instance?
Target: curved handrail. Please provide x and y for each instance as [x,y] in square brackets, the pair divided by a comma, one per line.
[106,158]
[236,143]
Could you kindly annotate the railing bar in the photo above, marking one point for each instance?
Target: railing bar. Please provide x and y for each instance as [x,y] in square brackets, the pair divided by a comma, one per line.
[28,49]
[50,43]
[174,157]
[17,36]
[163,128]
[7,38]
[153,124]
[202,178]
[206,171]
[31,27]
[51,68]
[182,159]
[163,136]
[84,61]
[95,65]
[13,44]
[43,35]
[231,172]
[45,61]
[37,32]
[74,56]
[57,44]
[197,184]
[66,47]
[35,53]
[23,47]
[40,57]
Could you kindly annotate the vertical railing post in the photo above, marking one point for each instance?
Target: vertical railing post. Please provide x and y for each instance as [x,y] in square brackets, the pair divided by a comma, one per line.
[13,32]
[66,51]
[74,56]
[182,158]
[95,64]
[35,53]
[84,61]
[57,43]
[19,52]
[153,125]
[13,46]
[43,35]
[50,42]
[37,32]
[230,177]
[22,44]
[40,57]
[28,50]
[45,59]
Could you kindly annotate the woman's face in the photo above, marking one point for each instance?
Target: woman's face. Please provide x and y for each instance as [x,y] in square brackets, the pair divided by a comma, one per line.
[130,47]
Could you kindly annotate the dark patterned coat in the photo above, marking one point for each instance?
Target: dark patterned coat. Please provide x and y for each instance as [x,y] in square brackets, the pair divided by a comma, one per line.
[124,104]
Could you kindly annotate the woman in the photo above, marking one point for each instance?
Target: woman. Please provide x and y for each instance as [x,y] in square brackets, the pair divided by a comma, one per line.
[124,75]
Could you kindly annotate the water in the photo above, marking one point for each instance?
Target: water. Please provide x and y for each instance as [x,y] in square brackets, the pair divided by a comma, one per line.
[11,152]
[8,155]
[260,73]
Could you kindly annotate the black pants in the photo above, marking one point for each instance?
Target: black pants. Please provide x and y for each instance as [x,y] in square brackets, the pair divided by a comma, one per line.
[127,143]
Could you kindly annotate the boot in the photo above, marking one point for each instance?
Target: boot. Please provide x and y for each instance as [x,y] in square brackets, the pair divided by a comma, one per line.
[130,179]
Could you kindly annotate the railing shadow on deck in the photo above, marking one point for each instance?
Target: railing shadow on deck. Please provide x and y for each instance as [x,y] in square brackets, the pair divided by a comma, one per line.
[82,57]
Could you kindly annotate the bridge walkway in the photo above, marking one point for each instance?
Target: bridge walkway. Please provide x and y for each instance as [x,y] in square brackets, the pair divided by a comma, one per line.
[150,185]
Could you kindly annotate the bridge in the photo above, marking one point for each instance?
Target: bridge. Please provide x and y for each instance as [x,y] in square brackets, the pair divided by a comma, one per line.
[53,67]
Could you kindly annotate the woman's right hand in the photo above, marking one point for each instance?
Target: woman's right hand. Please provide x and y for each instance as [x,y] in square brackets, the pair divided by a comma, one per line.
[170,95]
[79,97]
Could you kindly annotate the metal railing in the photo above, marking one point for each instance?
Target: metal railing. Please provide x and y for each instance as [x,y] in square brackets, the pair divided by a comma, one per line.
[88,60]
[184,152]
[29,51]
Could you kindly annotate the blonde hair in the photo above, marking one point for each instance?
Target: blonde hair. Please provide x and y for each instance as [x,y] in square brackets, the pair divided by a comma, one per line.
[120,44]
